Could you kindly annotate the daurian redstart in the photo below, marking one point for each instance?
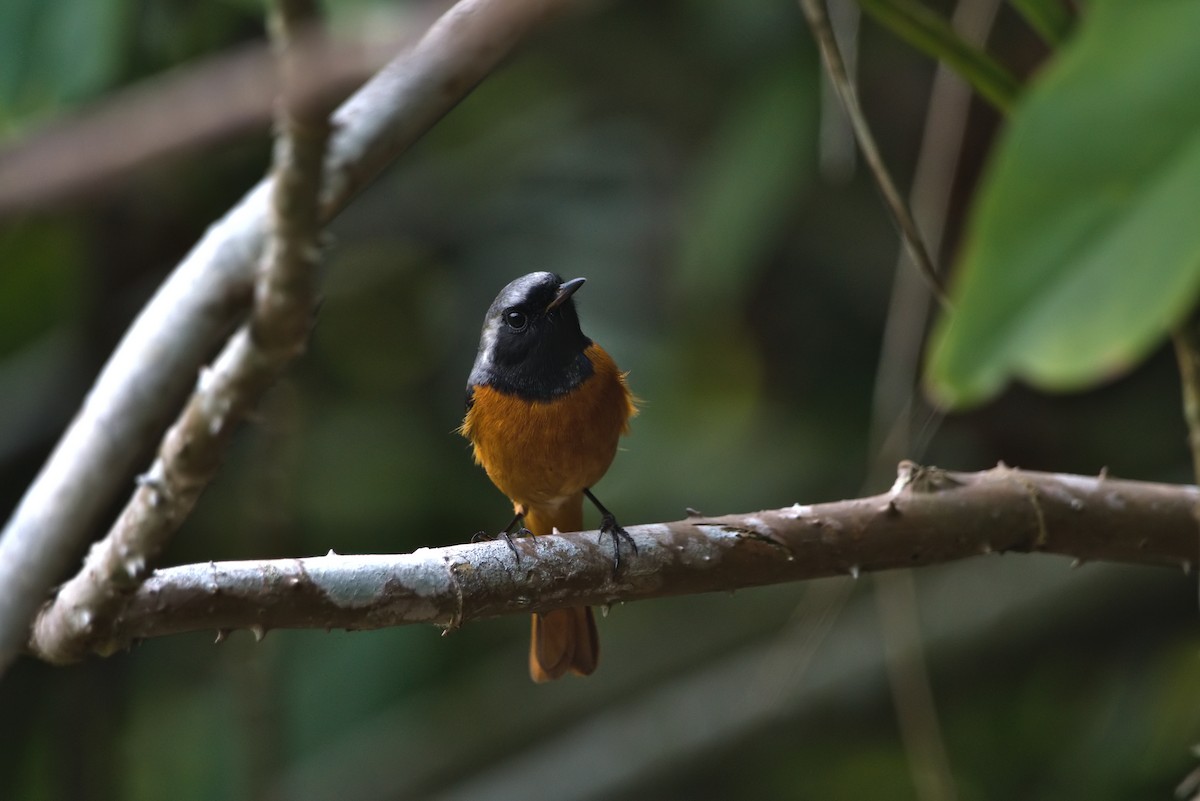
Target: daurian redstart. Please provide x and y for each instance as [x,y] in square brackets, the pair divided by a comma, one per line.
[545,407]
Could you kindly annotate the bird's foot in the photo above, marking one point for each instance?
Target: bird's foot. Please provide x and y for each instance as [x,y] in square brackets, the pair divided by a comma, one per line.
[507,534]
[610,526]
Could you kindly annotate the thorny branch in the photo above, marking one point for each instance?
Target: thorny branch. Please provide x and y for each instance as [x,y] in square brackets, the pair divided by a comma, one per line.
[929,517]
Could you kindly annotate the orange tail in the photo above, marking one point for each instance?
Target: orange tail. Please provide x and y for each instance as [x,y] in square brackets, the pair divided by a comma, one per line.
[564,640]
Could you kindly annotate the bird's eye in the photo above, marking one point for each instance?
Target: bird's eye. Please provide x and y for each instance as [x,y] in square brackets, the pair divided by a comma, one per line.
[515,320]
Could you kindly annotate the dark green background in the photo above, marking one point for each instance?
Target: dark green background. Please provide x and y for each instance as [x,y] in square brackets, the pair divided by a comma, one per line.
[667,152]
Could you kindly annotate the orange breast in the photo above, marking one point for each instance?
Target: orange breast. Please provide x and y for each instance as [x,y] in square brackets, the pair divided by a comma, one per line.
[540,452]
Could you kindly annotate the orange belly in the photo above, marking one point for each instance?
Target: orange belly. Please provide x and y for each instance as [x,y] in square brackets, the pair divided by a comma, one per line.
[540,453]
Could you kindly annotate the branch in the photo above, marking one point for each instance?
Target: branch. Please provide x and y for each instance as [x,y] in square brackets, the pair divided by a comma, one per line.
[210,100]
[140,388]
[818,20]
[253,359]
[929,517]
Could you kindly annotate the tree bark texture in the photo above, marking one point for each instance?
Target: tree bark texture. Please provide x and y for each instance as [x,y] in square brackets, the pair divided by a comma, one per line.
[929,517]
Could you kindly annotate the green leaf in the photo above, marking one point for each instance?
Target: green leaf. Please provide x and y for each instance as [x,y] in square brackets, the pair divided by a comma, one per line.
[1049,18]
[931,34]
[1084,246]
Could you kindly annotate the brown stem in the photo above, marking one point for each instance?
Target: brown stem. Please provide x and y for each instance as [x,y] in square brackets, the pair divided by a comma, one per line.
[1187,350]
[818,20]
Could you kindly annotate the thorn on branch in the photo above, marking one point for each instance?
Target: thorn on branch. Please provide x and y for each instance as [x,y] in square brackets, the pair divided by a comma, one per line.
[796,511]
[152,480]
[922,479]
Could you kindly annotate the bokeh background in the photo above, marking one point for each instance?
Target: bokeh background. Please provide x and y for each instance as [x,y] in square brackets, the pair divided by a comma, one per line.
[740,269]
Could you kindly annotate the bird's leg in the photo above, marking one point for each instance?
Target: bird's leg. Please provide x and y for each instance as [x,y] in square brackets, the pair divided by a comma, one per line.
[610,526]
[515,526]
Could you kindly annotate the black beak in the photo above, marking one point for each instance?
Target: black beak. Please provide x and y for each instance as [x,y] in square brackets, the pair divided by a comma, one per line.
[565,291]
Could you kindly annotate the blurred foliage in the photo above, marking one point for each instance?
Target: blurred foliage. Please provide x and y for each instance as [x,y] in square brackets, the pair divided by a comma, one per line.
[667,151]
[55,54]
[1050,18]
[1081,253]
[43,284]
[933,34]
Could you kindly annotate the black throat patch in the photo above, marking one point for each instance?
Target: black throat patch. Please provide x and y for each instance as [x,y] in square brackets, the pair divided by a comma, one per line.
[528,351]
[540,378]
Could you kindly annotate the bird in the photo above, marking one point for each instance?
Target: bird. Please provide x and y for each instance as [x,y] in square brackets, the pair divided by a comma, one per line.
[545,409]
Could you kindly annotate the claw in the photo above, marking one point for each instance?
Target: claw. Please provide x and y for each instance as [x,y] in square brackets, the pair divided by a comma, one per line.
[507,534]
[511,545]
[610,526]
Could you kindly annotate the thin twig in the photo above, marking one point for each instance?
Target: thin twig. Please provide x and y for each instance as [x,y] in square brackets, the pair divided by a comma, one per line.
[1186,339]
[929,517]
[140,388]
[814,11]
[894,403]
[836,149]
[192,450]
[908,309]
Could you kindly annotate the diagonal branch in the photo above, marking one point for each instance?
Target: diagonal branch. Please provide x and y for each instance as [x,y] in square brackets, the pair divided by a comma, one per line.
[928,517]
[910,234]
[174,114]
[191,452]
[140,388]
